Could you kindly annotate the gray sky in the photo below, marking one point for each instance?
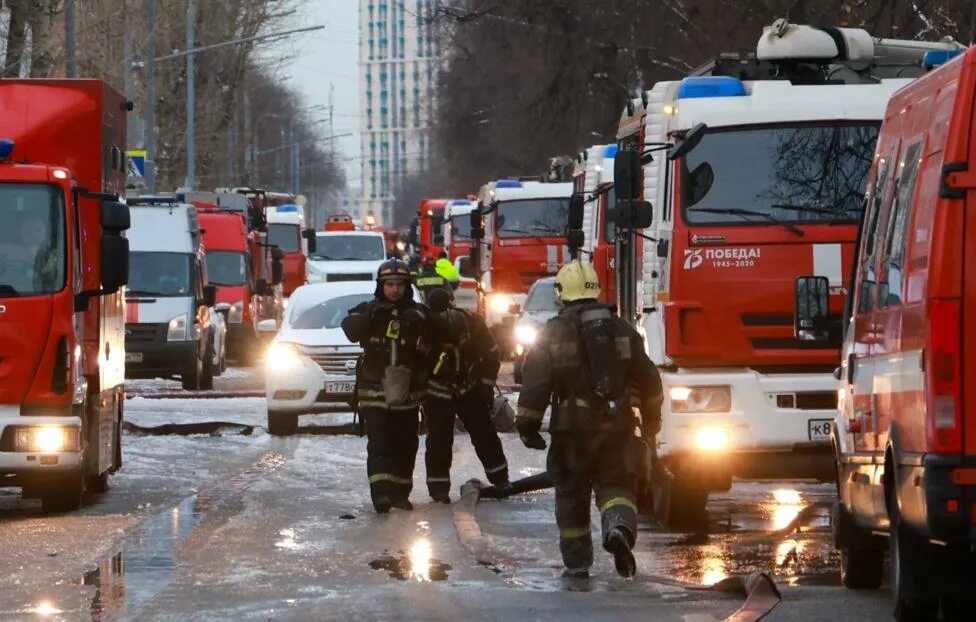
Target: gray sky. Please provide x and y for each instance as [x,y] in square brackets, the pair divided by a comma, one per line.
[331,56]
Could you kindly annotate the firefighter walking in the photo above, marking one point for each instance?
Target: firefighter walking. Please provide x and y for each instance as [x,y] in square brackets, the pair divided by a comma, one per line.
[591,367]
[395,333]
[428,278]
[462,383]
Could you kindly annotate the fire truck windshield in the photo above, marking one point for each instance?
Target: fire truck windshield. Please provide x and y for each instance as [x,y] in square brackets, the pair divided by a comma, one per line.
[32,240]
[809,173]
[286,237]
[159,274]
[350,248]
[226,268]
[532,218]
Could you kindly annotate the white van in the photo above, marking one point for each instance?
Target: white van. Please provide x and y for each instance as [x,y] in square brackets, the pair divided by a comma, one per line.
[346,256]
[168,329]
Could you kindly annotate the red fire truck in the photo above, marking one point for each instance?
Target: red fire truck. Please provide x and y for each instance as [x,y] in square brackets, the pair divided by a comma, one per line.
[63,262]
[426,236]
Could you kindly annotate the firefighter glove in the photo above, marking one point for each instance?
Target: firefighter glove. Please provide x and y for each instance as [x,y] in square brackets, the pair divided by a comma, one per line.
[533,441]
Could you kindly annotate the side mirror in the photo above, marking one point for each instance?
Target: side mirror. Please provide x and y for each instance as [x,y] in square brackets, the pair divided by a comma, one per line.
[277,254]
[811,320]
[477,226]
[277,271]
[574,229]
[115,262]
[627,175]
[629,214]
[115,217]
[701,180]
[261,287]
[209,295]
[691,140]
[309,235]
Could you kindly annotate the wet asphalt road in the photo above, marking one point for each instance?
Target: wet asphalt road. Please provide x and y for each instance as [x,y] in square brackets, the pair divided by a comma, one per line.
[235,524]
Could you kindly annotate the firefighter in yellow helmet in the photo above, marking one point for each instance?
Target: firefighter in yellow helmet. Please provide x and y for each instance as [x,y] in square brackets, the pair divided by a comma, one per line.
[590,366]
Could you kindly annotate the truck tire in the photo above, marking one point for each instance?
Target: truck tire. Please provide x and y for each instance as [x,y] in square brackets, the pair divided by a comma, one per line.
[909,568]
[207,375]
[862,555]
[688,505]
[193,375]
[63,493]
[282,423]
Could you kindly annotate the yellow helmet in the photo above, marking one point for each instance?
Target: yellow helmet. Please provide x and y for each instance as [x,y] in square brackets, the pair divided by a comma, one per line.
[577,281]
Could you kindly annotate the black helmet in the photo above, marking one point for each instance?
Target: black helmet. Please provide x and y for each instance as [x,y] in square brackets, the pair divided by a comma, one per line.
[393,269]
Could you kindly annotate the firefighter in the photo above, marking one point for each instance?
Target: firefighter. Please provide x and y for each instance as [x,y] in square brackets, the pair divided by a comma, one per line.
[446,269]
[395,333]
[428,279]
[462,383]
[590,366]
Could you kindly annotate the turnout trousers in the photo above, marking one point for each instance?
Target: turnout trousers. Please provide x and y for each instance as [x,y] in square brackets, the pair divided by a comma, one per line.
[580,464]
[474,414]
[391,450]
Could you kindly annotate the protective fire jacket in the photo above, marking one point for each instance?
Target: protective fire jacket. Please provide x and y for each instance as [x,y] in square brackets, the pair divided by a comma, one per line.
[465,355]
[391,335]
[555,373]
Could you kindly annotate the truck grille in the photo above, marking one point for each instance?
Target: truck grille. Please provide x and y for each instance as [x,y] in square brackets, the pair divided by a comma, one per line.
[144,333]
[359,276]
[334,362]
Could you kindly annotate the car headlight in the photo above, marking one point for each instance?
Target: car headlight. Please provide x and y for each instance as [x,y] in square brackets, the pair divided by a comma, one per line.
[525,334]
[177,328]
[712,438]
[500,303]
[46,439]
[282,357]
[235,314]
[714,399]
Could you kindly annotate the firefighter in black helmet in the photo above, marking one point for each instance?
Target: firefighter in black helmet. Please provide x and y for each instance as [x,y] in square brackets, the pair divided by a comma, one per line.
[590,366]
[395,333]
[462,383]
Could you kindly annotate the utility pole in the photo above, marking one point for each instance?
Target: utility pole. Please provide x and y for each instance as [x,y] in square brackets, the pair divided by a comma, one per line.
[70,30]
[149,132]
[127,54]
[191,95]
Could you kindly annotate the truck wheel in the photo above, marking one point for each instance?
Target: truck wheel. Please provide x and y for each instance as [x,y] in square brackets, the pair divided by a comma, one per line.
[282,424]
[909,565]
[192,377]
[687,510]
[207,376]
[63,493]
[861,554]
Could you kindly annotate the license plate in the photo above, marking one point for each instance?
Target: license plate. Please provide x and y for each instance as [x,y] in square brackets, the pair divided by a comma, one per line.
[819,429]
[133,357]
[340,388]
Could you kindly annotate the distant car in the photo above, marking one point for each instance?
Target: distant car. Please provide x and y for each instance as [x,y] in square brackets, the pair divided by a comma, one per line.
[541,305]
[310,366]
[346,256]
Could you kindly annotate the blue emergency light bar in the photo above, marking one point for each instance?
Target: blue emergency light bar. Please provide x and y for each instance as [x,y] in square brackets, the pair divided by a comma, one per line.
[284,209]
[508,183]
[711,86]
[611,152]
[934,58]
[6,148]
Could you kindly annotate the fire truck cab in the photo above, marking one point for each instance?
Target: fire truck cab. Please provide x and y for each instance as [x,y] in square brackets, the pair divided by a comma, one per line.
[287,231]
[755,167]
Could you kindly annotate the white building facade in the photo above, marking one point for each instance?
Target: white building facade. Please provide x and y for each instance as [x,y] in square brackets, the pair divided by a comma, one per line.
[398,68]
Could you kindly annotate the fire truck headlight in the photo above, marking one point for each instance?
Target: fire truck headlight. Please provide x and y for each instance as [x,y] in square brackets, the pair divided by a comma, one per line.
[712,439]
[713,399]
[500,303]
[282,357]
[177,328]
[525,334]
[401,246]
[46,439]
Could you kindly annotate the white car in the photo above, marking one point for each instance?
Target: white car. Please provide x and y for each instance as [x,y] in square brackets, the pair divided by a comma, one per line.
[345,256]
[310,366]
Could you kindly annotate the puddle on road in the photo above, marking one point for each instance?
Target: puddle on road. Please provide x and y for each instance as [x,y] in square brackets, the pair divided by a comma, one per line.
[143,564]
[784,532]
[417,564]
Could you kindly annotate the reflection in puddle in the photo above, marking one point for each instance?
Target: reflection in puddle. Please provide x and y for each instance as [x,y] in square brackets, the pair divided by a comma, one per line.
[287,540]
[45,608]
[417,564]
[786,507]
[713,566]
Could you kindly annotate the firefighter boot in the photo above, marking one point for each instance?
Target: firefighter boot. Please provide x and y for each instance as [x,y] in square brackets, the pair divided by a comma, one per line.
[618,544]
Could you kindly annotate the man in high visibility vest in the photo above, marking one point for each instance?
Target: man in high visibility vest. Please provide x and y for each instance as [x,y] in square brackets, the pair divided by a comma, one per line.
[446,269]
[429,278]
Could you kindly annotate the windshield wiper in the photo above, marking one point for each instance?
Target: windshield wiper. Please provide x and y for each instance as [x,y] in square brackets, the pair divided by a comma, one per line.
[544,227]
[736,211]
[814,209]
[525,233]
[142,292]
[8,290]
